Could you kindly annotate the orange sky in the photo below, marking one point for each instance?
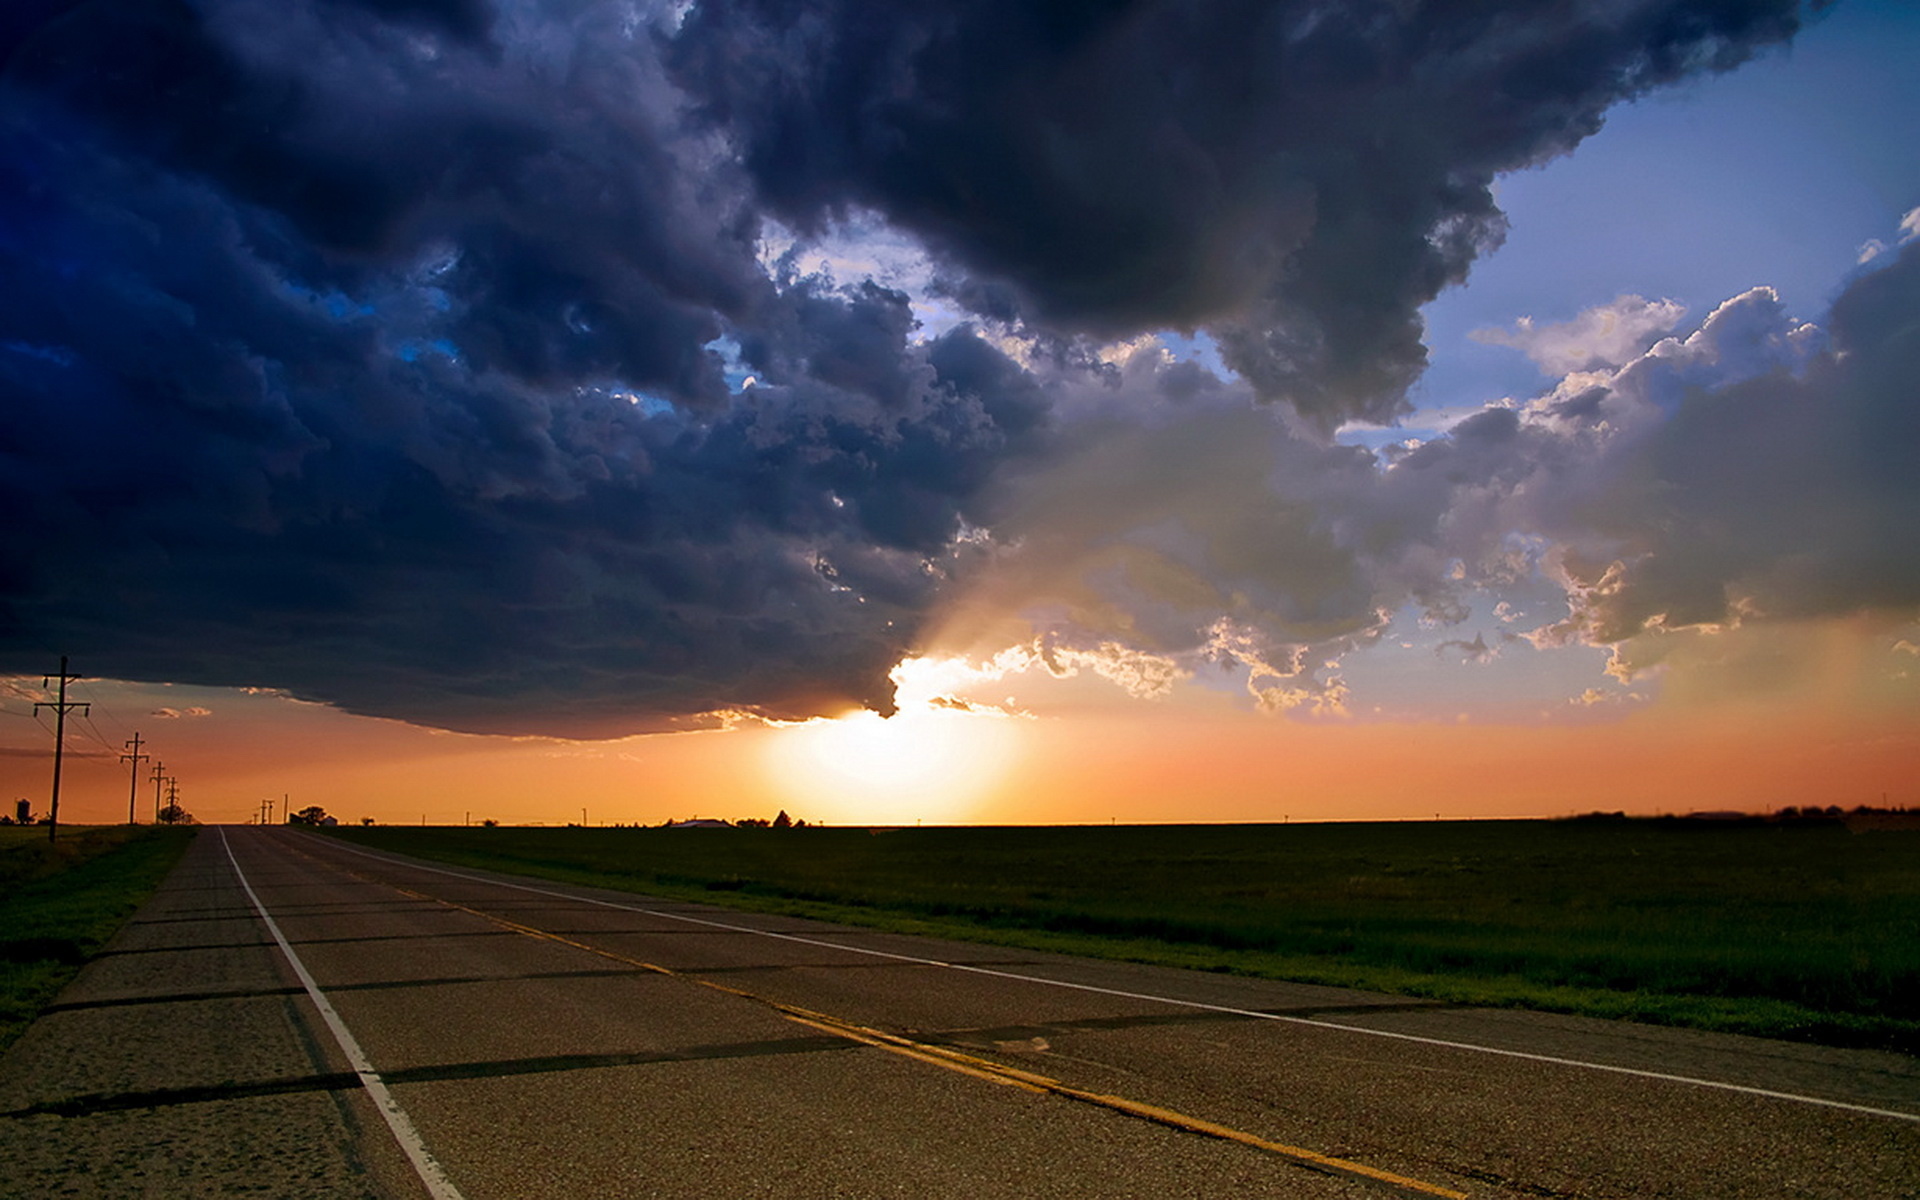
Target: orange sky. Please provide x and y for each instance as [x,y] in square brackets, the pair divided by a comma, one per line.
[1838,728]
[1559,466]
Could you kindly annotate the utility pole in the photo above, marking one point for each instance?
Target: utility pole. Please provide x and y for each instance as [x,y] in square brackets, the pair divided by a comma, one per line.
[159,773]
[173,796]
[59,708]
[133,777]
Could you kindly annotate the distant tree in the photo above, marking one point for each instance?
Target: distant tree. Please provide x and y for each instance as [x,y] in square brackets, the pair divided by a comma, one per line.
[751,823]
[312,814]
[366,820]
[173,814]
[783,821]
[489,823]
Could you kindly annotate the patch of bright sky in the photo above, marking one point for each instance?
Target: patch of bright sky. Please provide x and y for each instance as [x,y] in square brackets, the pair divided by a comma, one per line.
[1776,173]
[1482,665]
[648,403]
[1197,347]
[866,248]
[732,367]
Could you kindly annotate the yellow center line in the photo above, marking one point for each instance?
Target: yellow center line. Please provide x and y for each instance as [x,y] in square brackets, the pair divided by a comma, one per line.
[954,1060]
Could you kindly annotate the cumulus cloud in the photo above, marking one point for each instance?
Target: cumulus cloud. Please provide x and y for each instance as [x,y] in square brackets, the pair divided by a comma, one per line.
[1741,475]
[1780,494]
[391,353]
[1606,336]
[176,714]
[1909,230]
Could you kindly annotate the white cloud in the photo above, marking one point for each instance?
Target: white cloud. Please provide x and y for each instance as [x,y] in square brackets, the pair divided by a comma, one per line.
[1605,336]
[1909,229]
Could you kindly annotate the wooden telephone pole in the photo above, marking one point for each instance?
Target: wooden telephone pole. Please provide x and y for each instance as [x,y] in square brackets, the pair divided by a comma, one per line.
[136,758]
[60,709]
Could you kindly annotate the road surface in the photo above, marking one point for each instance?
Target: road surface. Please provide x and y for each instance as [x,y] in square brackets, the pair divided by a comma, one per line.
[295,1016]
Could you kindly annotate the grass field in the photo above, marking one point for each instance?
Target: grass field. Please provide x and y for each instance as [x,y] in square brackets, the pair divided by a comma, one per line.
[59,903]
[1801,931]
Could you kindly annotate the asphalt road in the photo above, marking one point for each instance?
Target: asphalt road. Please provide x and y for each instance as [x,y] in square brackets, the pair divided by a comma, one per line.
[291,1016]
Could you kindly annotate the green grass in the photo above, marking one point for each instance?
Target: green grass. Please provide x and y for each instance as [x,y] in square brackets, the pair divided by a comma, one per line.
[1807,932]
[60,902]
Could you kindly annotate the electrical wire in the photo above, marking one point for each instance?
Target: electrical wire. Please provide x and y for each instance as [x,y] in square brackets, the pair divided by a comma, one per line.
[89,729]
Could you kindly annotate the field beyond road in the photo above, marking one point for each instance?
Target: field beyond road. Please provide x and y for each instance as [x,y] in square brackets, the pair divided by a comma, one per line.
[1797,931]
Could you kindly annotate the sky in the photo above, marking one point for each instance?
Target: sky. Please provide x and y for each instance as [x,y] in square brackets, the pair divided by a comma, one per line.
[548,410]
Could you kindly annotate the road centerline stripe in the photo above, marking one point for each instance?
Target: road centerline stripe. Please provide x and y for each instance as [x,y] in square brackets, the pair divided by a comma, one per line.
[966,1064]
[1118,993]
[398,1123]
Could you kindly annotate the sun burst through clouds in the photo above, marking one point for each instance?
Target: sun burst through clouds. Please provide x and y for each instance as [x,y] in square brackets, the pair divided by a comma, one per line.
[935,760]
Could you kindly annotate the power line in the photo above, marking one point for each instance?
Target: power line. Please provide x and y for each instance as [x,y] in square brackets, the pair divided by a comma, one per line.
[93,734]
[105,711]
[93,731]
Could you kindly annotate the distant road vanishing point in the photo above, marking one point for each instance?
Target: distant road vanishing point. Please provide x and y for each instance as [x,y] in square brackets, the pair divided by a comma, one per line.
[292,1016]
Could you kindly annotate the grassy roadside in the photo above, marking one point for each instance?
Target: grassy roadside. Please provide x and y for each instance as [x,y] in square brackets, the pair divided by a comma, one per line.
[1806,932]
[60,902]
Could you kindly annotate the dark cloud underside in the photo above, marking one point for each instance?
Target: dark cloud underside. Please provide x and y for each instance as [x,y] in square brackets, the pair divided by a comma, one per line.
[1299,177]
[389,351]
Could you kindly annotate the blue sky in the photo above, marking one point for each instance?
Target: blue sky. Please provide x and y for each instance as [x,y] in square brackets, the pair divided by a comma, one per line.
[1775,173]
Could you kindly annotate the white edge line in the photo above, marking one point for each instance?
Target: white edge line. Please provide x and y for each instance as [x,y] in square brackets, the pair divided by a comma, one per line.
[398,1122]
[1793,1097]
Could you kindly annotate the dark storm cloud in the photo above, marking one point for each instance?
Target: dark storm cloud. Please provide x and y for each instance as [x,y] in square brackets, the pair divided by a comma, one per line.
[1299,177]
[389,351]
[372,362]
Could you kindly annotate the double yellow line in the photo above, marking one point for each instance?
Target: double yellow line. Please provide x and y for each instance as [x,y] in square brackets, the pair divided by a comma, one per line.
[967,1064]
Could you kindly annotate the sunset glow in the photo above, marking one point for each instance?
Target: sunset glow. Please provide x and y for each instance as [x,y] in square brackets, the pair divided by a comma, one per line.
[1518,419]
[921,764]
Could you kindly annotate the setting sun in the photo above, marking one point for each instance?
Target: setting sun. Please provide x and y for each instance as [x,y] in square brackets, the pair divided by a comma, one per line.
[923,763]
